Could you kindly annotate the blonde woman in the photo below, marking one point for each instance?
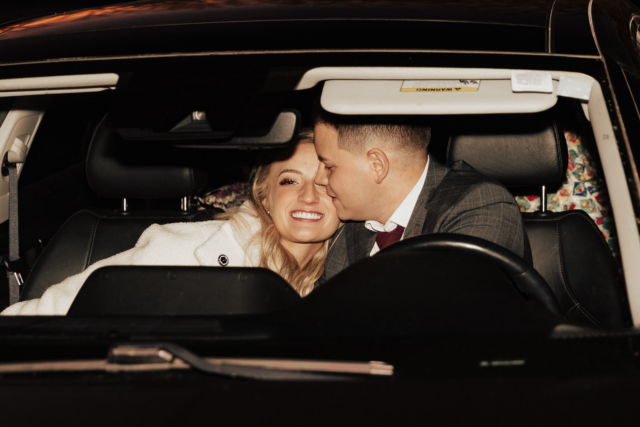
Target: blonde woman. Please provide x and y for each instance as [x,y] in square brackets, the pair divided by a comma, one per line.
[285,225]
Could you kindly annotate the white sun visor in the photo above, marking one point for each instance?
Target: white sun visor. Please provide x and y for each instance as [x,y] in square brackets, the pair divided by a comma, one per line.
[50,85]
[434,91]
[461,96]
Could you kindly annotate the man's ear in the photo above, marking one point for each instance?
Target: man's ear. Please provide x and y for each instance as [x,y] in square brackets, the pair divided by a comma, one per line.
[379,163]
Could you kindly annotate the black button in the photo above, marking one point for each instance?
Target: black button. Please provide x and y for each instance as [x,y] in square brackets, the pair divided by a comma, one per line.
[223,260]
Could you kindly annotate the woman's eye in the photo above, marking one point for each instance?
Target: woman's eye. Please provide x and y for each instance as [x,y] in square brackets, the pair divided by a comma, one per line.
[287,181]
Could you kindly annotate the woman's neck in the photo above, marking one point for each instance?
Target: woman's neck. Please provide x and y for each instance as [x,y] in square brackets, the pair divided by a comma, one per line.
[302,252]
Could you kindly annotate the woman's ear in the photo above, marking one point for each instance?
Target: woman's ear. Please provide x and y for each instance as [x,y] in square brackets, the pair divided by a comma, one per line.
[379,163]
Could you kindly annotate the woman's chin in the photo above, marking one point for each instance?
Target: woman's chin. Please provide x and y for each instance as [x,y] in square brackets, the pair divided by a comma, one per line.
[308,238]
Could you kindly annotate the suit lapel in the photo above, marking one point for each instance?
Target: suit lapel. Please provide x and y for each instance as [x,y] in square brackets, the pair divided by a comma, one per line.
[351,243]
[435,174]
[360,241]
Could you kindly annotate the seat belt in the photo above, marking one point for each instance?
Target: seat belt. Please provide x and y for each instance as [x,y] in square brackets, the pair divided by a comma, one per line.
[17,154]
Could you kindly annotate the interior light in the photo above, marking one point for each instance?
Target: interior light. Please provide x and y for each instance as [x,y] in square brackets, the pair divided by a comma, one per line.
[198,116]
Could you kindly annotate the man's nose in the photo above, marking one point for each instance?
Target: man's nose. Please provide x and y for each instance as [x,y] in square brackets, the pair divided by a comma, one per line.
[321,175]
[309,194]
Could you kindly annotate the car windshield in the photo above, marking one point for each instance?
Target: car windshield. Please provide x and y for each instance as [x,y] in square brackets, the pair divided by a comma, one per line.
[152,179]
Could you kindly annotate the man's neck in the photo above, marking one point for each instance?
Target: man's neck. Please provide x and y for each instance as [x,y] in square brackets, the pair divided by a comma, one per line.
[399,190]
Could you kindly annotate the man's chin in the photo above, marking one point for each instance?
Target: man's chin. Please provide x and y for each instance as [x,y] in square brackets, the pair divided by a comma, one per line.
[343,216]
[341,213]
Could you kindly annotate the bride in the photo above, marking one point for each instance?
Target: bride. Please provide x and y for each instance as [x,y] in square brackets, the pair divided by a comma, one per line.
[285,225]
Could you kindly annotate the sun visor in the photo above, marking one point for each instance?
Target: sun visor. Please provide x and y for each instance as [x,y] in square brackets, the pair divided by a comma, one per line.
[433,97]
[53,85]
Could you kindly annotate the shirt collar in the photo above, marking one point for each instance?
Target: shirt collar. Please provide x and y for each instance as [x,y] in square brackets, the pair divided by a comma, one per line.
[402,215]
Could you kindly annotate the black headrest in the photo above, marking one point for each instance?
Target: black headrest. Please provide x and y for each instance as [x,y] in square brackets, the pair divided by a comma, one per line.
[518,150]
[124,169]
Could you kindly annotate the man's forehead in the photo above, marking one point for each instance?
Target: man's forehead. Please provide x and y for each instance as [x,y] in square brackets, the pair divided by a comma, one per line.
[325,140]
[325,131]
[326,154]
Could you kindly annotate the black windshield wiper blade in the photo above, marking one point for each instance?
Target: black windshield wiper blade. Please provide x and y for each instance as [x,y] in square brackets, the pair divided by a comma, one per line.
[168,356]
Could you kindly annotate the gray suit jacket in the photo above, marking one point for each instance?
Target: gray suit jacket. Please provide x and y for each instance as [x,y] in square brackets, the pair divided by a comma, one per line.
[484,209]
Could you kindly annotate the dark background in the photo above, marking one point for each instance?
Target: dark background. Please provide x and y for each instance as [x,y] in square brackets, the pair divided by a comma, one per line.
[14,10]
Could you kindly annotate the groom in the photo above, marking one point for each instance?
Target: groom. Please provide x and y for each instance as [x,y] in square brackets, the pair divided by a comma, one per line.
[384,183]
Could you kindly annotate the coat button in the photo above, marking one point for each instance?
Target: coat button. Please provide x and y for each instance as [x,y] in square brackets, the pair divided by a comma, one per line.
[223,260]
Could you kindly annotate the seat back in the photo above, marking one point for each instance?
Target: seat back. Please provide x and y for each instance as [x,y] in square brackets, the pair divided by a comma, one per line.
[569,251]
[88,237]
[525,153]
[182,291]
[116,169]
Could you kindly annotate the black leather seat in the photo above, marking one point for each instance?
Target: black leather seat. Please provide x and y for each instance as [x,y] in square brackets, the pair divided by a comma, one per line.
[118,169]
[569,251]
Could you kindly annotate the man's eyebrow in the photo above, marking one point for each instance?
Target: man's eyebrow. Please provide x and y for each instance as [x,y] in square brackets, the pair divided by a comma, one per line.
[322,159]
[290,170]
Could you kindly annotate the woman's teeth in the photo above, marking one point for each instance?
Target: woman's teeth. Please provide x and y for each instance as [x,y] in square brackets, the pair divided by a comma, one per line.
[307,215]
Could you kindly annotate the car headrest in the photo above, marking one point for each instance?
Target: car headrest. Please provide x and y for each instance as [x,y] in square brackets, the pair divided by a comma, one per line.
[516,149]
[122,169]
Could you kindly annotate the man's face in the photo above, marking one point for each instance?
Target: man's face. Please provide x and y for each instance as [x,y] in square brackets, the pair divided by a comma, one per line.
[347,176]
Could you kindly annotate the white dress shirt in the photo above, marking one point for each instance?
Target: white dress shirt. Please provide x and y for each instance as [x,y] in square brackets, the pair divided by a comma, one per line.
[402,215]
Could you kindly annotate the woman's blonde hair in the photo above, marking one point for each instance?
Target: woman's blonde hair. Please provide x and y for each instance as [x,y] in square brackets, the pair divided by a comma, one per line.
[273,254]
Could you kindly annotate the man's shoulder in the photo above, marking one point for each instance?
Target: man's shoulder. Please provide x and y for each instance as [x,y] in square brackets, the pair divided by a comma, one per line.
[466,183]
[461,170]
[468,202]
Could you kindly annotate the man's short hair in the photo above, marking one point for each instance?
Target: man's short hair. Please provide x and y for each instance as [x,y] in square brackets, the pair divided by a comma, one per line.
[411,133]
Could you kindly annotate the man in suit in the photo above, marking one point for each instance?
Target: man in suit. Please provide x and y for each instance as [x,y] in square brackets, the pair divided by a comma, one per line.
[387,188]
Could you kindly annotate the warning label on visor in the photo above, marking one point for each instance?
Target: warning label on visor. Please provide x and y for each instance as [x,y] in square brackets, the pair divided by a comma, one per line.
[440,86]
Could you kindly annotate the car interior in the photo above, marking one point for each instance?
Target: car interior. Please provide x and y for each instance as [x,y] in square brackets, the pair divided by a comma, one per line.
[104,166]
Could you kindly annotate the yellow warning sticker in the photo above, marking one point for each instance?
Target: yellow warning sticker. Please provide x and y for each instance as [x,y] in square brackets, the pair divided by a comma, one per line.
[440,86]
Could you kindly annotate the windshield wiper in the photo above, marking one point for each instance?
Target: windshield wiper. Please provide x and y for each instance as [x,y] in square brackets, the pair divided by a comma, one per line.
[168,356]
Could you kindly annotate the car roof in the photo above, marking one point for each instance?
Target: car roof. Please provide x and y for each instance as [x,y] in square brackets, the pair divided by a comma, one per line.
[169,26]
[14,11]
[172,12]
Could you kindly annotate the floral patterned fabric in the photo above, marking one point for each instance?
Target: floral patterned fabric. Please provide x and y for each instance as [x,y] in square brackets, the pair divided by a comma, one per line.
[225,198]
[583,188]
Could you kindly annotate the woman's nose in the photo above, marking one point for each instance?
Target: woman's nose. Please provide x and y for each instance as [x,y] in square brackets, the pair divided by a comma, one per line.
[309,194]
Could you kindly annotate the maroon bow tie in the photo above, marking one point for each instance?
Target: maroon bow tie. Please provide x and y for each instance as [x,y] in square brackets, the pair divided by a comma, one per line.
[385,239]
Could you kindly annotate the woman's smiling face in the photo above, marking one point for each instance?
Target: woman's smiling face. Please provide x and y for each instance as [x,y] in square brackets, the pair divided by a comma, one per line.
[301,210]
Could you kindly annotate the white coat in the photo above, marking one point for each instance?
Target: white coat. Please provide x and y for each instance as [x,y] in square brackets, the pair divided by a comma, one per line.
[209,243]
